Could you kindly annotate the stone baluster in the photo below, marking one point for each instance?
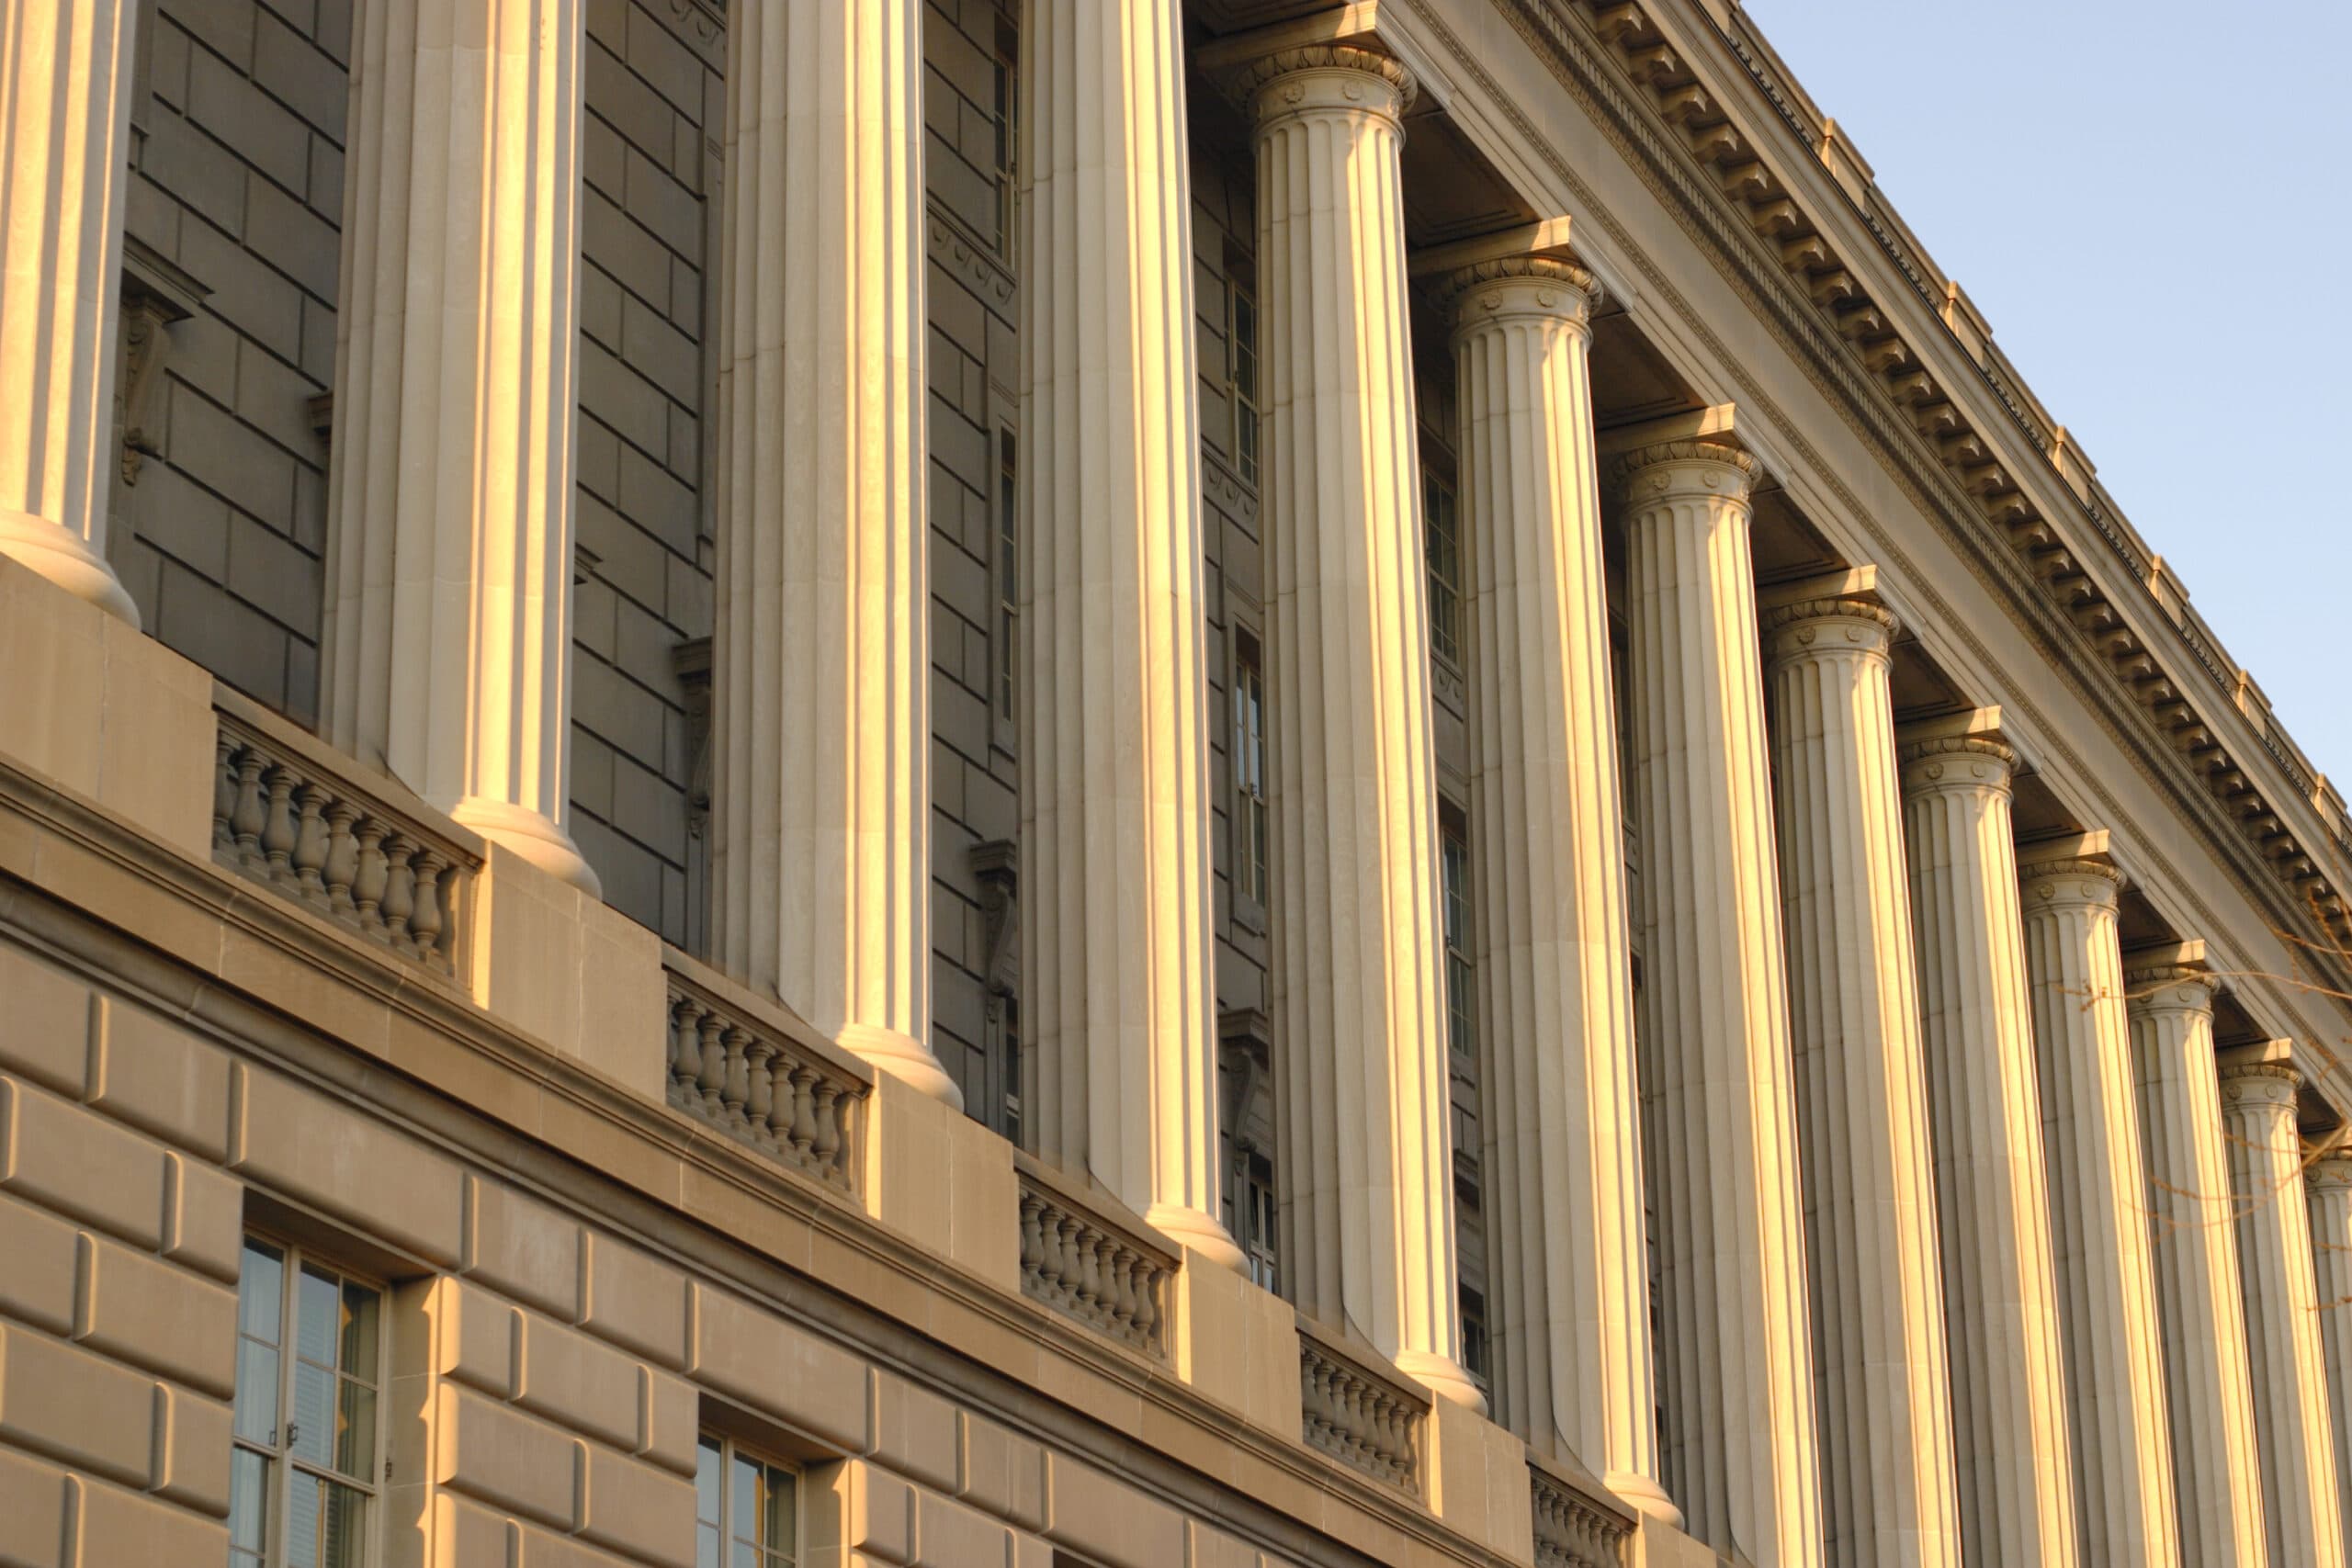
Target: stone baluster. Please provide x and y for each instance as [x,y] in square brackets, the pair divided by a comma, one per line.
[2265,1154]
[2106,1301]
[66,73]
[448,640]
[2330,1181]
[2016,1501]
[1571,1299]
[2217,1469]
[685,1051]
[1888,1487]
[1734,1356]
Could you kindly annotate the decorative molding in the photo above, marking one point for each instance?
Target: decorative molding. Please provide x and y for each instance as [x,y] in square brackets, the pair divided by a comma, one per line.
[1370,1421]
[760,1086]
[1107,1273]
[1574,1527]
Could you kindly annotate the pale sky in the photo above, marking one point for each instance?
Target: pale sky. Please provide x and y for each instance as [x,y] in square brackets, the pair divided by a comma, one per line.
[2146,201]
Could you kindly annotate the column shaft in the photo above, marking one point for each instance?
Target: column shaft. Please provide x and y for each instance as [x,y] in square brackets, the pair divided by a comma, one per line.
[1878,1320]
[1115,842]
[2217,1484]
[1992,1197]
[2290,1379]
[1359,982]
[1735,1359]
[2107,1291]
[450,556]
[821,704]
[2331,1221]
[1571,1302]
[64,119]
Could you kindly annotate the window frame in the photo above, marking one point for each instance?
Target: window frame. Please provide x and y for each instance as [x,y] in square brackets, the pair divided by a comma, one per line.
[730,1452]
[1252,755]
[1004,593]
[1248,415]
[278,1458]
[1442,588]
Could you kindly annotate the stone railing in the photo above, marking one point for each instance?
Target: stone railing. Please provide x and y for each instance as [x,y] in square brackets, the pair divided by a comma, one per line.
[1105,1272]
[1576,1525]
[757,1083]
[1368,1420]
[286,814]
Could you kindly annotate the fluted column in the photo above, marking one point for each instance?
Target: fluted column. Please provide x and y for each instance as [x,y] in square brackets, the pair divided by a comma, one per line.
[2217,1486]
[2330,1182]
[1735,1359]
[1117,934]
[64,113]
[2106,1292]
[1569,1309]
[1359,981]
[2282,1332]
[450,556]
[1884,1406]
[1992,1198]
[821,703]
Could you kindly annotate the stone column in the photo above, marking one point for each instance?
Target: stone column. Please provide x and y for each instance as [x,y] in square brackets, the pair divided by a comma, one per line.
[1878,1317]
[1570,1312]
[2265,1154]
[1993,1204]
[1359,974]
[2107,1291]
[448,618]
[822,694]
[1117,942]
[65,112]
[2330,1182]
[1734,1358]
[2217,1484]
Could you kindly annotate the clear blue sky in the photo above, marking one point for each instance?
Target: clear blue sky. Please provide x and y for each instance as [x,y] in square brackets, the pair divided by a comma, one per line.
[2146,200]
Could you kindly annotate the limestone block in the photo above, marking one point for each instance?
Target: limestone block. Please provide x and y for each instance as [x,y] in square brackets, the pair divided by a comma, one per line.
[37,1286]
[474,1338]
[780,1368]
[1478,1484]
[521,1247]
[1656,1545]
[192,1444]
[949,1535]
[635,1301]
[160,1076]
[1091,1512]
[463,1532]
[637,1508]
[32,1510]
[491,1453]
[863,1507]
[561,965]
[74,1407]
[117,1526]
[153,1315]
[1236,1343]
[204,1217]
[318,1150]
[1002,1474]
[672,1420]
[915,1432]
[78,1164]
[44,1016]
[576,1383]
[944,1180]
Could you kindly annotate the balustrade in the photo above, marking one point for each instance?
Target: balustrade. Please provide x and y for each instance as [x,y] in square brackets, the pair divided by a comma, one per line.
[1364,1420]
[1078,1261]
[1574,1528]
[761,1088]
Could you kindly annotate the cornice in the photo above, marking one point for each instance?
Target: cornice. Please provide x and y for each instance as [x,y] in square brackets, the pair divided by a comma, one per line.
[1574,56]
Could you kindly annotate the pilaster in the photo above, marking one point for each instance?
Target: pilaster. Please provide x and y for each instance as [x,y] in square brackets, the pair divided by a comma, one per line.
[1116,935]
[1570,1316]
[1884,1405]
[2107,1291]
[1734,1358]
[822,696]
[2217,1473]
[2282,1333]
[1992,1196]
[65,66]
[1359,982]
[447,637]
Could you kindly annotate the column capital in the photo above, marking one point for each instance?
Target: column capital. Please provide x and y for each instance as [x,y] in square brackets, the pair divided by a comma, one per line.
[2255,1081]
[2330,1173]
[2170,987]
[1956,763]
[1814,628]
[2069,883]
[1491,292]
[1303,77]
[1666,470]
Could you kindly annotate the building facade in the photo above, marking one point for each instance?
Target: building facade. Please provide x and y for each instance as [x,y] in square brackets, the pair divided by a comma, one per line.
[1103,781]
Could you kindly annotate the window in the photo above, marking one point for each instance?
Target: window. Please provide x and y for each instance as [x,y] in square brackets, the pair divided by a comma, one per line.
[1475,1357]
[1441,543]
[303,1473]
[746,1509]
[1008,137]
[1008,608]
[1253,1187]
[1461,1018]
[1242,375]
[1252,833]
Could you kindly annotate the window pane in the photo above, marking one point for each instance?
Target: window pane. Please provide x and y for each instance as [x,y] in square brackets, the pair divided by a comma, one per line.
[318,1317]
[256,1393]
[707,1550]
[248,1501]
[355,1438]
[360,1309]
[744,1500]
[709,1463]
[311,1416]
[776,1526]
[746,1556]
[305,1519]
[343,1542]
[261,1290]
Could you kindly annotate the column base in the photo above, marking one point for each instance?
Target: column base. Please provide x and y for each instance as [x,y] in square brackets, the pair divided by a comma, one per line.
[1444,1377]
[904,1057]
[531,836]
[65,559]
[1644,1495]
[1191,1228]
